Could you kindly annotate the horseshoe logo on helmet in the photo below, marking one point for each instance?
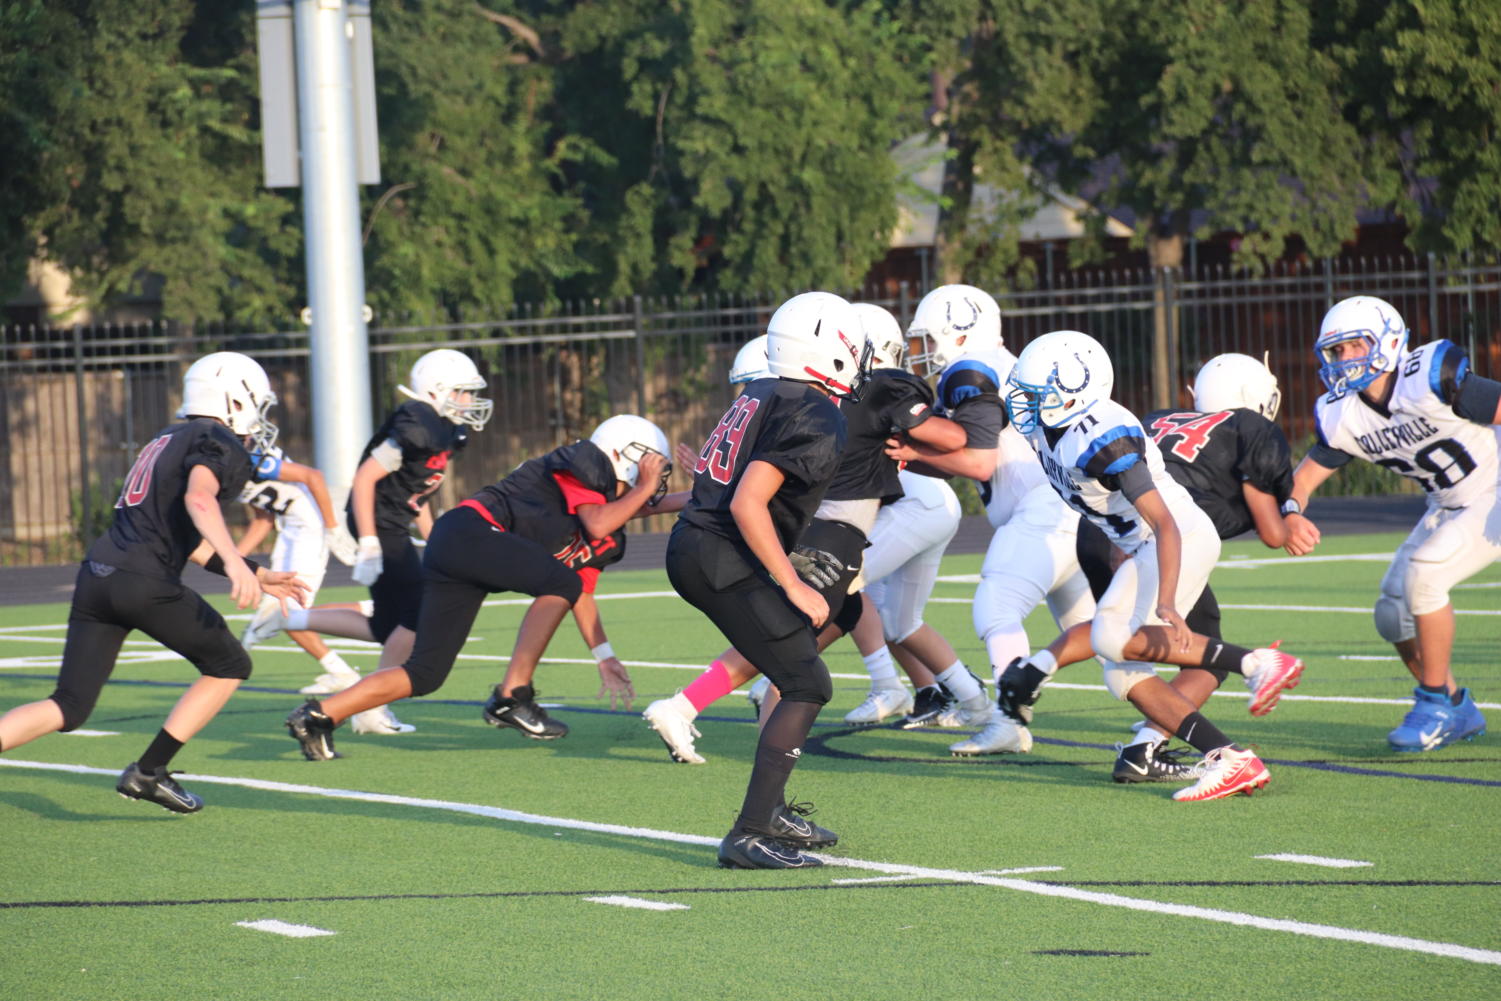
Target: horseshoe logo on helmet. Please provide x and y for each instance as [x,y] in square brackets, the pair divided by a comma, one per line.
[948,313]
[1071,389]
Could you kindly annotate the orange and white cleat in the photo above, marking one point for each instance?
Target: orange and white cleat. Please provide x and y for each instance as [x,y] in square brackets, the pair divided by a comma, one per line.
[1227,771]
[1274,673]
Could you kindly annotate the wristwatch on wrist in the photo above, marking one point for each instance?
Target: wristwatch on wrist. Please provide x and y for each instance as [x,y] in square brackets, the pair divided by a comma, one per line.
[1291,506]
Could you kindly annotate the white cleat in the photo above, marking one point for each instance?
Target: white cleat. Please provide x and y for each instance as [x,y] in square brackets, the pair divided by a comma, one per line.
[1003,735]
[380,720]
[756,693]
[677,733]
[329,683]
[267,623]
[975,712]
[879,704]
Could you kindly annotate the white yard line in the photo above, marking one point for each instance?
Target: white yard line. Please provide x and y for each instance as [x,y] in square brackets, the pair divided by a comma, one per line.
[283,928]
[1327,863]
[645,905]
[1447,950]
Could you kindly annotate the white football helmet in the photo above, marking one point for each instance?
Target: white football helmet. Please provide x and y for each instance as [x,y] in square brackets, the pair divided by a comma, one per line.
[1057,379]
[750,362]
[233,388]
[952,321]
[817,337]
[625,439]
[1372,321]
[439,376]
[887,346]
[1233,380]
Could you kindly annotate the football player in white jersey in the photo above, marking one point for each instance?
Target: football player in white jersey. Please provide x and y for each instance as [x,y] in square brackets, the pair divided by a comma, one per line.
[293,498]
[1031,557]
[1426,415]
[1096,455]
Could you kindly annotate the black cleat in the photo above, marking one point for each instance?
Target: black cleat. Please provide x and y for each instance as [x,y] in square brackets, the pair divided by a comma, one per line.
[1019,688]
[789,825]
[1153,763]
[927,705]
[311,727]
[520,711]
[159,787]
[748,850]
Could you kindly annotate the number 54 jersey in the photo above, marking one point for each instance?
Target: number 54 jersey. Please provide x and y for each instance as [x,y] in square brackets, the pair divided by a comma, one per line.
[1086,460]
[1417,433]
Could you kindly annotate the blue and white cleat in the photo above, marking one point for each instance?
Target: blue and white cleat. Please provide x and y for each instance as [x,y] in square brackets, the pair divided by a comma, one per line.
[1433,722]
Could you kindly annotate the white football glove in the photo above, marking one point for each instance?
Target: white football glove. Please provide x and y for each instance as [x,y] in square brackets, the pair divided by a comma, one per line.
[367,561]
[341,544]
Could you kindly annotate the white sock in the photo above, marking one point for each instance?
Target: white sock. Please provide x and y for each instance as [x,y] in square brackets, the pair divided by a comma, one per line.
[1044,661]
[334,664]
[367,607]
[683,707]
[960,683]
[882,669]
[1005,645]
[297,619]
[1147,735]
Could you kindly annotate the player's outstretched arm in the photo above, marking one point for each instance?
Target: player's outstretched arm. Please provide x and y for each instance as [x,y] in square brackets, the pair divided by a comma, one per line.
[613,677]
[308,476]
[1302,534]
[601,520]
[202,503]
[975,463]
[939,434]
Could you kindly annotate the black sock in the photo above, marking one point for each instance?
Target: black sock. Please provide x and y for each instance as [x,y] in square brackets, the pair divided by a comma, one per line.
[1221,656]
[777,753]
[1200,734]
[160,752]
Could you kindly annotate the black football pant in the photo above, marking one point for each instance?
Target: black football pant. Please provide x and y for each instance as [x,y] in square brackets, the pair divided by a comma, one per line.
[467,560]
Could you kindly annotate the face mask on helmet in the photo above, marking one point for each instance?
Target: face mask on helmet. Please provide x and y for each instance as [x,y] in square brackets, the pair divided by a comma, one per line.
[952,321]
[627,439]
[1361,339]
[1058,378]
[817,337]
[443,379]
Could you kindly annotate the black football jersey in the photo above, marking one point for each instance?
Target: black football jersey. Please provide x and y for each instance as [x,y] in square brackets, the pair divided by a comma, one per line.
[788,424]
[892,400]
[151,532]
[1211,455]
[540,497]
[427,442]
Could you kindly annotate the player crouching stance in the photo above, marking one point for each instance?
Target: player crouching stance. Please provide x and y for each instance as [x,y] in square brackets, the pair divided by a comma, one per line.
[1425,415]
[758,481]
[1095,454]
[546,530]
[167,514]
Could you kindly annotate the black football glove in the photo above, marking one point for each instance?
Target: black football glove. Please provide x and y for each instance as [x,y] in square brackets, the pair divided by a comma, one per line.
[816,567]
[1018,690]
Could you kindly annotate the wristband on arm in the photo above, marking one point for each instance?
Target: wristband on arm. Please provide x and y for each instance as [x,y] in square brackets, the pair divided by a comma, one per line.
[603,652]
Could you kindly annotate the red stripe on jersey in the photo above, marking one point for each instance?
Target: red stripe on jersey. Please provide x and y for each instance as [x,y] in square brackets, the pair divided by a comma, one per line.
[575,493]
[590,577]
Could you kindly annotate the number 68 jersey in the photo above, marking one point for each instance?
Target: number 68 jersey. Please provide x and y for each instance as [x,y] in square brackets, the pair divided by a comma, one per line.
[1084,463]
[1417,433]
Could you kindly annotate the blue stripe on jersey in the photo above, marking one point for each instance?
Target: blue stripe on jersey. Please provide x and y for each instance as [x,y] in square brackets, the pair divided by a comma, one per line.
[1121,464]
[1447,370]
[267,467]
[1114,434]
[954,391]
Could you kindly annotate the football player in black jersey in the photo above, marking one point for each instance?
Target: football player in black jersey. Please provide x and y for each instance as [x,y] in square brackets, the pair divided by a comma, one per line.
[892,402]
[546,530]
[1236,464]
[168,513]
[758,480]
[402,465]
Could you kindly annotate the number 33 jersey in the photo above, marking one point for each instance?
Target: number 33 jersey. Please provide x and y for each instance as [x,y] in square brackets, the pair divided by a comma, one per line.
[1085,461]
[1417,433]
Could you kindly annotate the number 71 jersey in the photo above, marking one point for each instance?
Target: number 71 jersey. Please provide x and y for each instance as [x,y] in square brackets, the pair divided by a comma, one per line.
[1417,433]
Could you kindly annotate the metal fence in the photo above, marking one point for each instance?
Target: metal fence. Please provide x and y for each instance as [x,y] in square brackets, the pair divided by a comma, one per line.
[76,403]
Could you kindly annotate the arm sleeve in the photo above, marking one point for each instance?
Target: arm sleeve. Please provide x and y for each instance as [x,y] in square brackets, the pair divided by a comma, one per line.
[1134,480]
[1327,456]
[1447,370]
[388,454]
[222,456]
[267,467]
[1477,399]
[905,404]
[1114,452]
[982,419]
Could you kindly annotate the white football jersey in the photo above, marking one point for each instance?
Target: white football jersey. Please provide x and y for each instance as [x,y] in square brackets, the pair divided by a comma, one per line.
[296,512]
[1016,468]
[1418,434]
[1087,457]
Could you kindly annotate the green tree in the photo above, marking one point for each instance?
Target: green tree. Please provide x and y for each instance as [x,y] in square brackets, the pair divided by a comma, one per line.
[140,157]
[745,144]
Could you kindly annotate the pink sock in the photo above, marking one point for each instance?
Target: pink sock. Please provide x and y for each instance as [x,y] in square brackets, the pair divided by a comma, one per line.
[713,684]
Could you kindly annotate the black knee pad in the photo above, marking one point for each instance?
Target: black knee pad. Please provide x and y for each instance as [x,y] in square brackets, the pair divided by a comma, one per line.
[75,710]
[424,680]
[234,664]
[807,685]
